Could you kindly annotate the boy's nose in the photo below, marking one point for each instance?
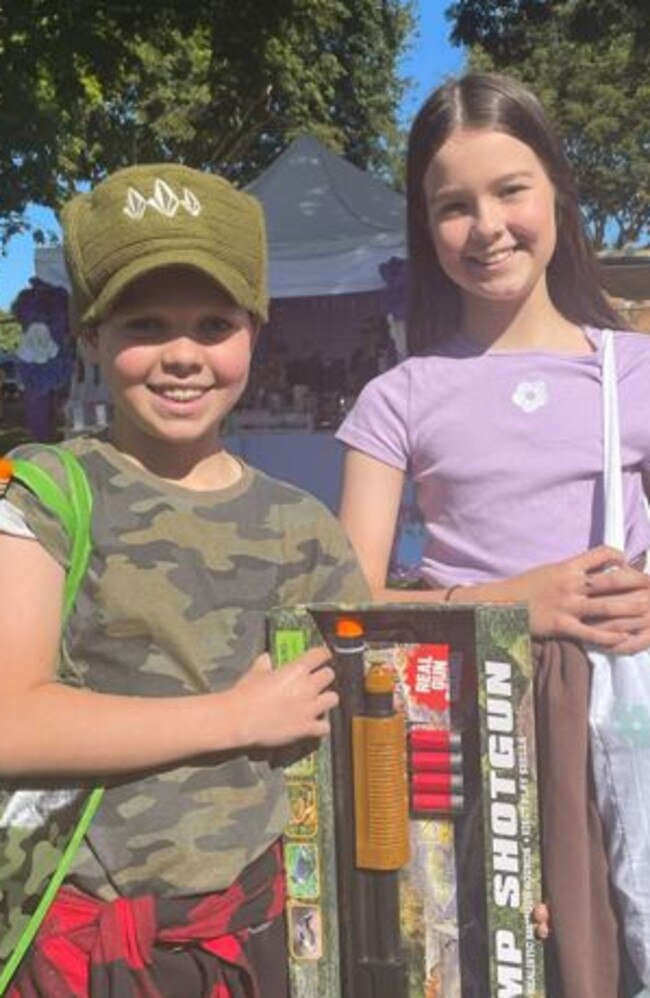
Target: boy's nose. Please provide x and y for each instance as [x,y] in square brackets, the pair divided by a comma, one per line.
[181,354]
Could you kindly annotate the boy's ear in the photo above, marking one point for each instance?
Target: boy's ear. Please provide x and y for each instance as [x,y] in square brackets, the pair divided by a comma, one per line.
[89,342]
[256,329]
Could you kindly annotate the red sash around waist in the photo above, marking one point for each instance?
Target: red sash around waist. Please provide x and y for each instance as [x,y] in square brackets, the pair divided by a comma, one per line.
[114,949]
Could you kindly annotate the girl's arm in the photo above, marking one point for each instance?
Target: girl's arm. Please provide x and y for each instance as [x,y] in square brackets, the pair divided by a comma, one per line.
[370,502]
[577,598]
[50,728]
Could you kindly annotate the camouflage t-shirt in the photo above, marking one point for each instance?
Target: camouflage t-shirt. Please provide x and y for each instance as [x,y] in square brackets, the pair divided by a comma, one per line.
[174,602]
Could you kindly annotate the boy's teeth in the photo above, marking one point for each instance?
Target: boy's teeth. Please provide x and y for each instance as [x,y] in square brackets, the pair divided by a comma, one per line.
[181,394]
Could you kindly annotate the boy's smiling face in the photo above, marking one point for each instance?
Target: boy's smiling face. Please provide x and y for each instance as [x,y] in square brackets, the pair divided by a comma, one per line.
[175,352]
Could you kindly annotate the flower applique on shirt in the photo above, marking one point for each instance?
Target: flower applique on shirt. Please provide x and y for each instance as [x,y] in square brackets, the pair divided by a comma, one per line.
[530,395]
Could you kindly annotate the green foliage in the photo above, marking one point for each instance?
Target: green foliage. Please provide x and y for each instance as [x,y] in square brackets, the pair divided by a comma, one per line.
[10,332]
[596,89]
[89,86]
[503,28]
[593,20]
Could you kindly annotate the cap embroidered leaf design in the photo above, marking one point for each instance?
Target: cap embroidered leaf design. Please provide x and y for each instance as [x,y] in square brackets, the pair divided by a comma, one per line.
[164,199]
[136,205]
[191,202]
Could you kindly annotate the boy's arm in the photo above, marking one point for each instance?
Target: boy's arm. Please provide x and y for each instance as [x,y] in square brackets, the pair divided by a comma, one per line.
[49,728]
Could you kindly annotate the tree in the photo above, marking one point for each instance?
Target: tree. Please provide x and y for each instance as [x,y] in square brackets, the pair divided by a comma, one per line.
[596,91]
[503,28]
[88,86]
[10,333]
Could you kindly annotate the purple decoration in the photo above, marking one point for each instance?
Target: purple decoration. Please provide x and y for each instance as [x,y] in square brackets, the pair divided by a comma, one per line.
[44,357]
[394,273]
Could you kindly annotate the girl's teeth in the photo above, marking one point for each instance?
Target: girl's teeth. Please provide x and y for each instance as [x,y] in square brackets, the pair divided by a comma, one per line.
[497,257]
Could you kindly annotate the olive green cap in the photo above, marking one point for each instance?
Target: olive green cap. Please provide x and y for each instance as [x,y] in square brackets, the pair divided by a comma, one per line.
[155,215]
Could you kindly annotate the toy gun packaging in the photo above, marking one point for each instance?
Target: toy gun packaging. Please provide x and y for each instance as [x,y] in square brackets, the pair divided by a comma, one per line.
[412,852]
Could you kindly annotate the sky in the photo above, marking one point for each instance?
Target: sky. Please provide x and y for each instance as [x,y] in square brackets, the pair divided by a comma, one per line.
[429,58]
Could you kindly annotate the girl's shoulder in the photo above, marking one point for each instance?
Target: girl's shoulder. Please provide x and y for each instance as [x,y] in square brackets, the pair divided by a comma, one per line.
[633,339]
[632,356]
[632,347]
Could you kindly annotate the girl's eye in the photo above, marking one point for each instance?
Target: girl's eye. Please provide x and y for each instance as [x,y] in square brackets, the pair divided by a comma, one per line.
[451,208]
[512,190]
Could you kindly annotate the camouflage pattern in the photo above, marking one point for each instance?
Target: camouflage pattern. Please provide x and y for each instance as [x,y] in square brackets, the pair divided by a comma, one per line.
[37,825]
[40,828]
[174,602]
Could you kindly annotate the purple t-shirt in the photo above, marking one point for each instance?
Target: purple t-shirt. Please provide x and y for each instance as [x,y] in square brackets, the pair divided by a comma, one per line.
[505,451]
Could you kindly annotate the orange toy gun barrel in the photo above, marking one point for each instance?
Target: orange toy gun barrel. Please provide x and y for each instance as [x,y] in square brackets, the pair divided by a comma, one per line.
[380,777]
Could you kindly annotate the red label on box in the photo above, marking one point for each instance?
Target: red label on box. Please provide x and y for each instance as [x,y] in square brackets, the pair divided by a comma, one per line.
[427,674]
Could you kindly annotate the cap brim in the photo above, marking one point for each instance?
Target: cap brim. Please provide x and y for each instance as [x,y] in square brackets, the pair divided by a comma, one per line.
[229,280]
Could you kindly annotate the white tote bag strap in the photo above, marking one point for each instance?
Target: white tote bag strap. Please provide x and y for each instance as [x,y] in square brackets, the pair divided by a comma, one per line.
[613,477]
[619,720]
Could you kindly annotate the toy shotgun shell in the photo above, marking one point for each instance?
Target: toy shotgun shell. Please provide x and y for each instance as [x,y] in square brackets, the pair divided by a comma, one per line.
[436,762]
[434,739]
[380,779]
[426,783]
[438,803]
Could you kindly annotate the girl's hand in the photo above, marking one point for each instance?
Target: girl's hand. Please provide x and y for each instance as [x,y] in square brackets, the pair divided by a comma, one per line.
[588,598]
[278,706]
[541,919]
[621,600]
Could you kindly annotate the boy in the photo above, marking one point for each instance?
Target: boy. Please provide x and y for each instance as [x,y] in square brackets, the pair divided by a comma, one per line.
[161,685]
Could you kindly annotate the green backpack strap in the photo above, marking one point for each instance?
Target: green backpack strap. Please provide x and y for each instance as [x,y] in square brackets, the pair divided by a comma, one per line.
[74,509]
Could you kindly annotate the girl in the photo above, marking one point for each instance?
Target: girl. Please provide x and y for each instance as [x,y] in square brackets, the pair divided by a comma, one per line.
[496,418]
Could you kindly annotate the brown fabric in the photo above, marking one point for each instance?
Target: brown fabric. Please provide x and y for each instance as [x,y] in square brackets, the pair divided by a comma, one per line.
[584,952]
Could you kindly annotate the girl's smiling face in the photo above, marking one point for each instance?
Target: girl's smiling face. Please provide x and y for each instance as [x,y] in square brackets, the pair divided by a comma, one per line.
[491,211]
[175,353]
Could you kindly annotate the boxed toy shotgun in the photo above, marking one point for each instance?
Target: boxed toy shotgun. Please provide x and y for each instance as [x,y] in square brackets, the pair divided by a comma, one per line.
[412,851]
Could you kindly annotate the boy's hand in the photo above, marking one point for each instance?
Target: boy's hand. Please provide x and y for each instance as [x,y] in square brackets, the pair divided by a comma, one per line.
[279,706]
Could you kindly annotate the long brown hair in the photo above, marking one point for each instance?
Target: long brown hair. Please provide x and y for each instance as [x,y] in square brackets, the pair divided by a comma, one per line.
[488,100]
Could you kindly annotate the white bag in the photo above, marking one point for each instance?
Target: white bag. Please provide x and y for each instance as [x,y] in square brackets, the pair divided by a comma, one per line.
[619,723]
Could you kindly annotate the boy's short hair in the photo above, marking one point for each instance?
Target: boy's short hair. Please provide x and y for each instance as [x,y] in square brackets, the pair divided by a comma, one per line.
[145,217]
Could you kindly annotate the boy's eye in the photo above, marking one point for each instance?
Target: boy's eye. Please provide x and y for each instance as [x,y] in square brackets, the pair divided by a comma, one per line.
[216,328]
[152,328]
[140,327]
